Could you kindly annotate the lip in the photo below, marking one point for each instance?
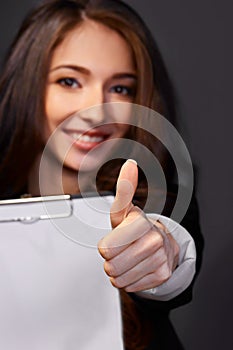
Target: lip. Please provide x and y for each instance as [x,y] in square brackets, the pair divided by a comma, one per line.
[87,140]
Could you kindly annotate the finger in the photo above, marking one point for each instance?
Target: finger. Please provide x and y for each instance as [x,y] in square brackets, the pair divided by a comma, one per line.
[125,189]
[152,280]
[134,226]
[150,266]
[148,245]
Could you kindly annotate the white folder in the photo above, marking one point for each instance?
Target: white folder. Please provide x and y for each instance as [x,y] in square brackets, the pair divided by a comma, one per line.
[54,293]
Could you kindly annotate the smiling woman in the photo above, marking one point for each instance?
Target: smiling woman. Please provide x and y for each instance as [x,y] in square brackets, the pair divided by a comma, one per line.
[77,69]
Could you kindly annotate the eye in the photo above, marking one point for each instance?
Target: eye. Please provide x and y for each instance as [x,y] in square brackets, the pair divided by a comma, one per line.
[69,82]
[123,90]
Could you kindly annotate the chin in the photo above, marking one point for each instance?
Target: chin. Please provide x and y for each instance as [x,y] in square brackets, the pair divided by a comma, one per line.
[90,161]
[87,163]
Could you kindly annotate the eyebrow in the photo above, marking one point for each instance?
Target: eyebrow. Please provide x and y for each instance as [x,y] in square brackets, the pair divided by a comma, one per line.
[87,72]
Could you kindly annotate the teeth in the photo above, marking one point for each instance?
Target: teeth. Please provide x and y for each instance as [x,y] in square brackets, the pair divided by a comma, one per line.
[87,138]
[75,136]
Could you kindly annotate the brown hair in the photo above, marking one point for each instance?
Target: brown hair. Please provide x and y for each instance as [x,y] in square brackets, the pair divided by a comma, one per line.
[22,85]
[22,89]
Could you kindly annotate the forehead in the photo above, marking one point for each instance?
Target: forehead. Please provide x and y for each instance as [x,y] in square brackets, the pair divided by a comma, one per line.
[91,43]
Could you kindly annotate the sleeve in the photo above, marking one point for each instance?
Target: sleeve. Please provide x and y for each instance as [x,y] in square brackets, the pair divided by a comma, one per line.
[183,275]
[178,289]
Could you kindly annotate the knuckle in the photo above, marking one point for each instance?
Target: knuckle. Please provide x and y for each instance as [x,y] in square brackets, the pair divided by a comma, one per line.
[158,259]
[112,280]
[163,255]
[156,240]
[104,252]
[164,273]
[110,268]
[160,239]
[118,282]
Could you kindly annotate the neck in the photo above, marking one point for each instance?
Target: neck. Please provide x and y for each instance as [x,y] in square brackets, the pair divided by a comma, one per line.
[50,178]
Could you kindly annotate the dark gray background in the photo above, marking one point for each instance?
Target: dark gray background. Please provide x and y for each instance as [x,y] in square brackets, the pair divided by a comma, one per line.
[196,41]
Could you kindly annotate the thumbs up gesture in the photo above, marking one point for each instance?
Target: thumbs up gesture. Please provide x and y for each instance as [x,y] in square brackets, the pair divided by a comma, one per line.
[139,253]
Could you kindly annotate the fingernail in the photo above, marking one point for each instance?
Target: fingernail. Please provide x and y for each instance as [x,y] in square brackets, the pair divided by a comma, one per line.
[132,161]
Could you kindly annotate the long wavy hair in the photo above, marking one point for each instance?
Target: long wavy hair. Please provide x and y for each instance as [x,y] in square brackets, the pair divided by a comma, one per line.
[22,108]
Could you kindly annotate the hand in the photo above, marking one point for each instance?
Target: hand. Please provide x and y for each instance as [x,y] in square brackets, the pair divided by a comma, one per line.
[139,254]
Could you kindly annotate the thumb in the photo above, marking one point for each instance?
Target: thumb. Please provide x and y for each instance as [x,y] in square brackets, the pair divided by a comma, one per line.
[125,189]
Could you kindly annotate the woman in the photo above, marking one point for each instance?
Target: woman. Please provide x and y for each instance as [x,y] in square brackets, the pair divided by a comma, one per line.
[67,57]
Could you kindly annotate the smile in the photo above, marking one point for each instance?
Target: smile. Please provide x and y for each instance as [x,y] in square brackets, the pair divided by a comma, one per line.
[87,138]
[86,141]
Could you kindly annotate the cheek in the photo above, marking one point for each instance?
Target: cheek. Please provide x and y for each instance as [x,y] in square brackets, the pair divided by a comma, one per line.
[53,114]
[59,106]
[50,107]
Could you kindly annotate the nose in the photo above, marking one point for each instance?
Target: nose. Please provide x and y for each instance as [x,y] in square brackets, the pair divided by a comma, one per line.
[92,109]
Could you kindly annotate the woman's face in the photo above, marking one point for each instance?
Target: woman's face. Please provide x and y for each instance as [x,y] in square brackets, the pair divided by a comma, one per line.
[93,65]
